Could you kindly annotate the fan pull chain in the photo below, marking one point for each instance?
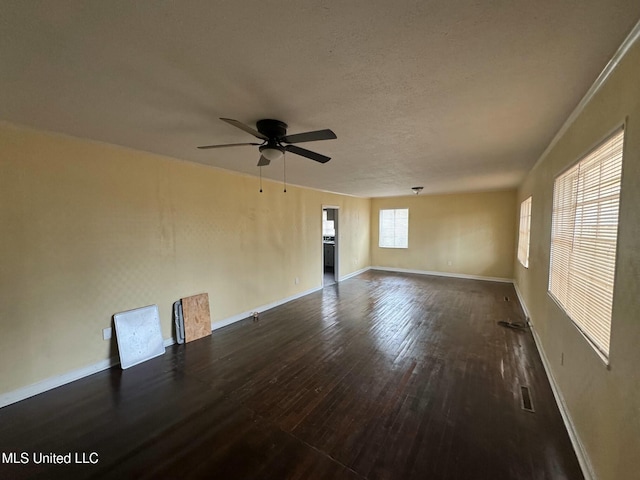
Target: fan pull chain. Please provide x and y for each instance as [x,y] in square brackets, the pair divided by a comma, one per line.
[284,162]
[260,179]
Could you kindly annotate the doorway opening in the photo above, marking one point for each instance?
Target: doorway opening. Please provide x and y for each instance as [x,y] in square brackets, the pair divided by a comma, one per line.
[329,246]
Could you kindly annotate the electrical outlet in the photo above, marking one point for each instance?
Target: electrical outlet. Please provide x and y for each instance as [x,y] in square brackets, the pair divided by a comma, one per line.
[449,262]
[296,281]
[106,333]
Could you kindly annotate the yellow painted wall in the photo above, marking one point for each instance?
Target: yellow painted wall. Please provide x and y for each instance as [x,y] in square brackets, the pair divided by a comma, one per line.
[89,230]
[604,404]
[473,231]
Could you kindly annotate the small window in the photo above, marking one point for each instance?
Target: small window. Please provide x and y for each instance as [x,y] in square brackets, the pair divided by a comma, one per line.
[584,234]
[524,233]
[394,228]
[328,226]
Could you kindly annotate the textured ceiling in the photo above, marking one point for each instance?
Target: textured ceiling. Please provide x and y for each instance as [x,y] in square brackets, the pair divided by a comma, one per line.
[453,95]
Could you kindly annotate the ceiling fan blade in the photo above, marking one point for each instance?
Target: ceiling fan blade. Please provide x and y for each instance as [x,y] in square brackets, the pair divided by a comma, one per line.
[244,127]
[309,136]
[264,161]
[307,153]
[204,147]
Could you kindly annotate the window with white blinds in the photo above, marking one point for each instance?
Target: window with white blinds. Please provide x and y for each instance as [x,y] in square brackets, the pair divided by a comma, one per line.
[524,232]
[584,233]
[394,228]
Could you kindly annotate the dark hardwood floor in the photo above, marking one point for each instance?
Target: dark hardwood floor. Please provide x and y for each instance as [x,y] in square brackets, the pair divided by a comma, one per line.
[383,376]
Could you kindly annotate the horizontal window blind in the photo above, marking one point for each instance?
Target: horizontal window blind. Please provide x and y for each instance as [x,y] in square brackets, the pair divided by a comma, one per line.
[524,232]
[584,233]
[394,228]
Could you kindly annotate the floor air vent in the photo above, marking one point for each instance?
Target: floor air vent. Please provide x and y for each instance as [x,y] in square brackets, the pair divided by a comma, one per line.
[527,403]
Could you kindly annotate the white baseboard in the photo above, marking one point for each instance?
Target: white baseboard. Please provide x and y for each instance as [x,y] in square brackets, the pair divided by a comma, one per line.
[68,377]
[578,447]
[59,380]
[444,274]
[261,308]
[241,316]
[354,274]
[53,382]
[522,304]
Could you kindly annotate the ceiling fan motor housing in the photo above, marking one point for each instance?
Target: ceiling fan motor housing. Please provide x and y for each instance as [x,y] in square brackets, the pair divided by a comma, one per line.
[274,129]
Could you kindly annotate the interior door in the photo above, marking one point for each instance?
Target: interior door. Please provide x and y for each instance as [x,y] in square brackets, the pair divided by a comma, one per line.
[330,239]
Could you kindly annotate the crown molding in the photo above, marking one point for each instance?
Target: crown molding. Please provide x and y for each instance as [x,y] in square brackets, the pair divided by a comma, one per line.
[631,39]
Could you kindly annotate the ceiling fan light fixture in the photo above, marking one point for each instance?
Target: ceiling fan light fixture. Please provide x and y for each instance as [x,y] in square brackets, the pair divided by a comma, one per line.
[272,153]
[417,190]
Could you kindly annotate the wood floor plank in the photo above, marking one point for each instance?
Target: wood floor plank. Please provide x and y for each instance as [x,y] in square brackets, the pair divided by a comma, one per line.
[383,376]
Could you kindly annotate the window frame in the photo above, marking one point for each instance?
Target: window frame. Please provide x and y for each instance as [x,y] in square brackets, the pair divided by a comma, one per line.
[523,251]
[395,227]
[328,226]
[569,236]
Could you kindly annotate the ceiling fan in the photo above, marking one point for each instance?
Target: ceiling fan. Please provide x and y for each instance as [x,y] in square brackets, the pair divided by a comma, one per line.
[273,134]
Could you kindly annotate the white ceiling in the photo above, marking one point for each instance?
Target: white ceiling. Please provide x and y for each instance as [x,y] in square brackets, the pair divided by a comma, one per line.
[452,95]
